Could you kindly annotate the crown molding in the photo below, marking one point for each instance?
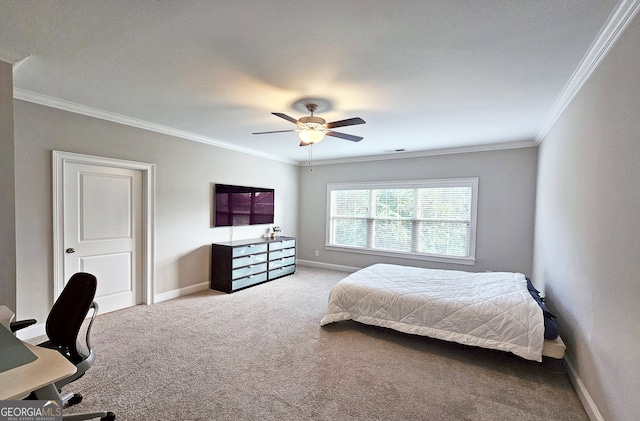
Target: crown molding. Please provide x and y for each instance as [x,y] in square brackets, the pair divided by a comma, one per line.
[73,107]
[433,152]
[618,21]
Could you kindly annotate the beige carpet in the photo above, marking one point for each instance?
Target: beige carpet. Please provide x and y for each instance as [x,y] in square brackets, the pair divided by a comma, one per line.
[260,354]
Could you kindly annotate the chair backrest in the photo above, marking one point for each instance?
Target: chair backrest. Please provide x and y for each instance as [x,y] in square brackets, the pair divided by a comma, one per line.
[69,311]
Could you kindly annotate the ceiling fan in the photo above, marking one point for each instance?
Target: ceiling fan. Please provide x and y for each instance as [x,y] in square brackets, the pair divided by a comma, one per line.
[312,129]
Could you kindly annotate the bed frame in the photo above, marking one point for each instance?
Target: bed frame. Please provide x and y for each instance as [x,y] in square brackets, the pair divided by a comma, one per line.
[554,348]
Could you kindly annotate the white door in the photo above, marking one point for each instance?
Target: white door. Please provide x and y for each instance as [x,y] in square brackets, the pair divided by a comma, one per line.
[102,213]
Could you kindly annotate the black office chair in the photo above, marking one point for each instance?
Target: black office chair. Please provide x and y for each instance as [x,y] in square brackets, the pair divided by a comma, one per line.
[63,327]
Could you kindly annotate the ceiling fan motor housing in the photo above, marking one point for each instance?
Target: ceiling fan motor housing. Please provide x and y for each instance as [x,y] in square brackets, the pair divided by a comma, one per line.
[311,122]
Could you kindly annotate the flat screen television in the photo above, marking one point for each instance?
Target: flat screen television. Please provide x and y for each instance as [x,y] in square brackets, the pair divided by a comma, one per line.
[241,205]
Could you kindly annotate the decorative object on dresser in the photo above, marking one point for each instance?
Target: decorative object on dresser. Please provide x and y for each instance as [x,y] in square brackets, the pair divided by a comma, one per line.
[244,263]
[274,233]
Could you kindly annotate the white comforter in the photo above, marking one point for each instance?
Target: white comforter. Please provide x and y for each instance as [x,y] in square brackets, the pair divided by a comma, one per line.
[490,310]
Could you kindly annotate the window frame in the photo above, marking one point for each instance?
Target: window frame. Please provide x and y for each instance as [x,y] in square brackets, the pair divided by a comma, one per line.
[408,184]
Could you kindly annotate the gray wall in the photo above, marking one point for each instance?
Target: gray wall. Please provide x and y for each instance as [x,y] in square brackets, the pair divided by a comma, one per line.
[7,191]
[588,229]
[185,173]
[506,202]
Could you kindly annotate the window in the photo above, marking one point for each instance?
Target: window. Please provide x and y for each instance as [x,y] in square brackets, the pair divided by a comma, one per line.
[428,219]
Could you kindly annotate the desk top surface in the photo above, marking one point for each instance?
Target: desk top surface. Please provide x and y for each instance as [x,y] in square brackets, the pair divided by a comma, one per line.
[48,367]
[14,352]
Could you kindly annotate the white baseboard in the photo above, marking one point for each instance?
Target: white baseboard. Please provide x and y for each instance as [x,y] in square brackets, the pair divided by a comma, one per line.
[170,295]
[329,266]
[32,331]
[583,393]
[39,329]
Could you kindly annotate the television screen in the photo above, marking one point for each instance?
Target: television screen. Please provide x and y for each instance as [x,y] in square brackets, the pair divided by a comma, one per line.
[240,205]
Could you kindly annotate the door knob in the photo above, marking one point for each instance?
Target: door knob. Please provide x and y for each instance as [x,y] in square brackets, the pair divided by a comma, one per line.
[70,250]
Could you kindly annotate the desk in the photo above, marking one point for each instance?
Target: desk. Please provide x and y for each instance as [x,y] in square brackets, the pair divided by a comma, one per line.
[38,376]
[6,316]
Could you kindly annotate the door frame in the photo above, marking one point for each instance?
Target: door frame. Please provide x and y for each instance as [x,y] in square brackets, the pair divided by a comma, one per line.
[60,158]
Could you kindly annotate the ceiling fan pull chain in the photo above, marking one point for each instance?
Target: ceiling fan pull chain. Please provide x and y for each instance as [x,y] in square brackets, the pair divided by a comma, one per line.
[310,157]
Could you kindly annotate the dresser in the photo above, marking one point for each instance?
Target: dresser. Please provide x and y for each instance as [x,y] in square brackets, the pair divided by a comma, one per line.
[240,264]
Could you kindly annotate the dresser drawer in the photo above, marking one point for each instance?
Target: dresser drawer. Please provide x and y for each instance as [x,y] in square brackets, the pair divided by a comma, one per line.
[249,270]
[284,244]
[249,260]
[249,249]
[273,255]
[285,261]
[249,280]
[287,270]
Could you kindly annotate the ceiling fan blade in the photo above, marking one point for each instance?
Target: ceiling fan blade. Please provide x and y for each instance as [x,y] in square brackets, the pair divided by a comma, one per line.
[344,136]
[286,117]
[275,131]
[347,122]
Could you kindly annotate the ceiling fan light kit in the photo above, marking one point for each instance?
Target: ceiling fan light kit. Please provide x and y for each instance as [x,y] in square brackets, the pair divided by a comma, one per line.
[312,129]
[310,136]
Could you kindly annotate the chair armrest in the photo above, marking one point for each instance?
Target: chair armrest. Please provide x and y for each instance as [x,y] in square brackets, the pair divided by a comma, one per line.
[21,324]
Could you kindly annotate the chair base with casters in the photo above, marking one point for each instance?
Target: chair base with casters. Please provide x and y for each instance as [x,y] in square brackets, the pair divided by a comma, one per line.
[44,394]
[51,392]
[104,416]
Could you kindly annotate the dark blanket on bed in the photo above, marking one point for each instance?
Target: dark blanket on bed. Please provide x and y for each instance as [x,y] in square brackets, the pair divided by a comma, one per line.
[550,326]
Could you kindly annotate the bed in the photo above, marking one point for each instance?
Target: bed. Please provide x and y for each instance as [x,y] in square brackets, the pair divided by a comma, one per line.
[495,310]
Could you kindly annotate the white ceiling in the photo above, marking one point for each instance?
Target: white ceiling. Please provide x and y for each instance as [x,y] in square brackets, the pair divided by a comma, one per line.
[425,75]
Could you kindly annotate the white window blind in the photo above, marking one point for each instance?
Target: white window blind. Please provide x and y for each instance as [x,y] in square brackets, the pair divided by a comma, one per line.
[428,219]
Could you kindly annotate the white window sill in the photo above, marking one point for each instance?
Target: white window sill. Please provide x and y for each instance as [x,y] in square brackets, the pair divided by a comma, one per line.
[403,255]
